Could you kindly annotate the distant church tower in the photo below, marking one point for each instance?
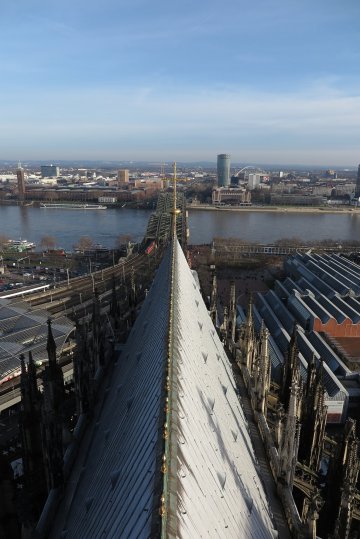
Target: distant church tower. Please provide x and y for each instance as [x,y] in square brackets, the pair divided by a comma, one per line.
[357,186]
[20,174]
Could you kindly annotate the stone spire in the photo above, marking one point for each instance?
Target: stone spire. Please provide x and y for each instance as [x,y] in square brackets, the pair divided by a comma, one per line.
[320,411]
[32,378]
[30,395]
[30,434]
[83,379]
[23,379]
[279,424]
[336,517]
[349,464]
[213,299]
[311,512]
[51,345]
[290,369]
[262,386]
[288,450]
[313,419]
[249,337]
[224,325]
[52,419]
[232,313]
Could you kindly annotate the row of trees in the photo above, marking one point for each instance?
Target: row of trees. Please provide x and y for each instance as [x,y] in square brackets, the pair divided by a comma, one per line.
[293,242]
[85,243]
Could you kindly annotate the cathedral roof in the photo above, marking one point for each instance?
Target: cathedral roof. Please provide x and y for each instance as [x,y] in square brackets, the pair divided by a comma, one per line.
[193,463]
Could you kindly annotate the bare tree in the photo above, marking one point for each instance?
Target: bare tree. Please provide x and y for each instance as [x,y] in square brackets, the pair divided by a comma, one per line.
[3,241]
[292,242]
[84,244]
[123,239]
[47,242]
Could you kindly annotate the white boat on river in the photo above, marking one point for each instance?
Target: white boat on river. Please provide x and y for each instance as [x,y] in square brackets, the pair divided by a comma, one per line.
[64,206]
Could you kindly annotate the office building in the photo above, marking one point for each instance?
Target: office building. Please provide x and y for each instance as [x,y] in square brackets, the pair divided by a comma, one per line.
[50,171]
[123,176]
[235,196]
[223,170]
[254,181]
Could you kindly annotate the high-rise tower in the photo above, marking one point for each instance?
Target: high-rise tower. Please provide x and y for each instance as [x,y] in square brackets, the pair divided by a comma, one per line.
[20,174]
[357,186]
[223,170]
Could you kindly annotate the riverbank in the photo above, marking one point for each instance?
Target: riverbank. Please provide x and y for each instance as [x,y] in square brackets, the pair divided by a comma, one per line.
[276,209]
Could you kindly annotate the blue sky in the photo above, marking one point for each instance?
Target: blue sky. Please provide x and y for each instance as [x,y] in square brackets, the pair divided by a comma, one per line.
[268,81]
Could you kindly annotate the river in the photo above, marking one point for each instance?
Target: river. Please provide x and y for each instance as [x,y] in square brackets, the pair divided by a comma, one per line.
[267,227]
[105,227]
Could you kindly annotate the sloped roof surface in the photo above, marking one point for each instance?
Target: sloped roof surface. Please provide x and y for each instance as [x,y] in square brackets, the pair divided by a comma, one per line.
[115,493]
[219,492]
[216,488]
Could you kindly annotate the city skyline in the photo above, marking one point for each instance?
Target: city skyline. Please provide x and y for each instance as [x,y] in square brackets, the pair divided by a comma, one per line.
[272,82]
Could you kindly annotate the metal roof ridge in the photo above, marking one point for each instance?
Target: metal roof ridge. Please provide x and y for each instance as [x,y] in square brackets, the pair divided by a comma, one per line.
[169,460]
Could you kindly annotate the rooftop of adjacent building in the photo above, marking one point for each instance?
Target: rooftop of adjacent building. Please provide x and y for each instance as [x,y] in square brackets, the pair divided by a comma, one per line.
[24,328]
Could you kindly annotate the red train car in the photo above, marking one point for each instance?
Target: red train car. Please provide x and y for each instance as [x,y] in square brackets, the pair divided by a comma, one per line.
[150,248]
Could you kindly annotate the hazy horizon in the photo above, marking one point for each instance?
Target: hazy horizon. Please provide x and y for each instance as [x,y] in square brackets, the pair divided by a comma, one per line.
[98,163]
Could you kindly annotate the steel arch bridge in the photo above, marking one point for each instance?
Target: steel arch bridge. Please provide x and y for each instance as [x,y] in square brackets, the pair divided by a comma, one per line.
[160,222]
[250,167]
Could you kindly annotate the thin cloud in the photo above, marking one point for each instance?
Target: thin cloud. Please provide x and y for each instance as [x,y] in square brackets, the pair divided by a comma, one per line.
[301,125]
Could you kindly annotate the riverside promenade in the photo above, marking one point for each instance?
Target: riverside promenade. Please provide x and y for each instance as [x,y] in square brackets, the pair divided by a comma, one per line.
[276,209]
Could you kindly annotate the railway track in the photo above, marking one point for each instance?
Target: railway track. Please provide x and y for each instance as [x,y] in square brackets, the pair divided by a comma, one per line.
[76,295]
[76,301]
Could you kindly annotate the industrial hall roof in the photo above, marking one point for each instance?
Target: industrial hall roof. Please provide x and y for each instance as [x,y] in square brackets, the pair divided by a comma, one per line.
[169,453]
[24,328]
